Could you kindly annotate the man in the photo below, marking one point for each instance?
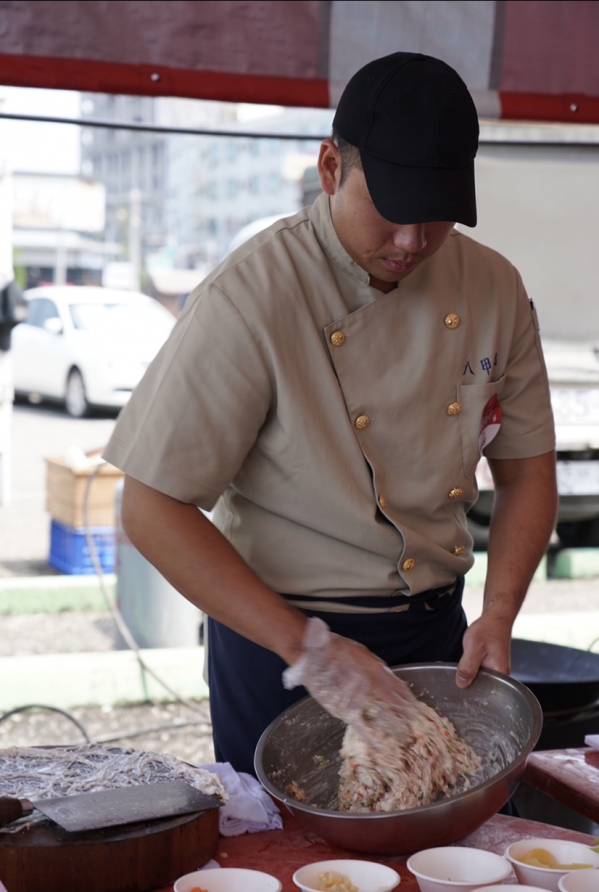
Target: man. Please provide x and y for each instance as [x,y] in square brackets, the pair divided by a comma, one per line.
[330,388]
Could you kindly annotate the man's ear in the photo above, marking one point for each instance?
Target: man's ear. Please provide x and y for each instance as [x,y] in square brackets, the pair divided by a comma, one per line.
[329,167]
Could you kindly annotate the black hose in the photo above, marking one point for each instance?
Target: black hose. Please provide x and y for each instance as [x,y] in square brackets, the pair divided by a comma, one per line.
[63,712]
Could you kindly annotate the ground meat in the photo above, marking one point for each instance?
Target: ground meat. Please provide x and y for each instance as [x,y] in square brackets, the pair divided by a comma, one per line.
[382,773]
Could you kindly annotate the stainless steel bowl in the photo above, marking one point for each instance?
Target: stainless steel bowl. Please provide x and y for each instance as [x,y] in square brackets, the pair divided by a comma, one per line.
[498,716]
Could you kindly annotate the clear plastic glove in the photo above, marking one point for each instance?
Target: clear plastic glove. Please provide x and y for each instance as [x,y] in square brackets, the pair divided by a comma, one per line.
[350,682]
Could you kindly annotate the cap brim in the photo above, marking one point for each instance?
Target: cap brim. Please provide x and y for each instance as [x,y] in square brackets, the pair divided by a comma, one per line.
[403,194]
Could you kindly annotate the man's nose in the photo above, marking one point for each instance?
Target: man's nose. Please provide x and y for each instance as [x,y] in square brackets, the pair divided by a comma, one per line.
[410,237]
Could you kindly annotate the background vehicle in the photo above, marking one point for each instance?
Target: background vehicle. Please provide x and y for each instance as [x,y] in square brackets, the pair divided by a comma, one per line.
[538,198]
[86,347]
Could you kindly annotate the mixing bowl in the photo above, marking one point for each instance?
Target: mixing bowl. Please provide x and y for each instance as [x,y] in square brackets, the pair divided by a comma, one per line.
[497,715]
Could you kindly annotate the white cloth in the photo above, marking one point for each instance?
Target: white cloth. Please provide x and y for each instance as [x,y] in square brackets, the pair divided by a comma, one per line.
[592,740]
[209,865]
[249,809]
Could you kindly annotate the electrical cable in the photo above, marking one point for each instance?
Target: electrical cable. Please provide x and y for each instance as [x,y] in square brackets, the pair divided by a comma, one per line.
[104,738]
[113,608]
[64,712]
[129,640]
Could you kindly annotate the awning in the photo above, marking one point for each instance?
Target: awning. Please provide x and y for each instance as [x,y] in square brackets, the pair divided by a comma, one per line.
[522,59]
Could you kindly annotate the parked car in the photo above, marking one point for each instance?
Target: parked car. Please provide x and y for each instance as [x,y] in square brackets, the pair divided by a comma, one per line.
[573,371]
[86,347]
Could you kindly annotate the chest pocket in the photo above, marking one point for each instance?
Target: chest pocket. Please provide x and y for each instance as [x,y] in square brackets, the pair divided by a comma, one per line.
[473,398]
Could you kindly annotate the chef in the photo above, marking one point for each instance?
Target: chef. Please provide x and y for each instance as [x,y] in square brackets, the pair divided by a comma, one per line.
[328,391]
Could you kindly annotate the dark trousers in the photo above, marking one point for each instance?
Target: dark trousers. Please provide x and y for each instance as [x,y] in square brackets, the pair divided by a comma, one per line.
[246,690]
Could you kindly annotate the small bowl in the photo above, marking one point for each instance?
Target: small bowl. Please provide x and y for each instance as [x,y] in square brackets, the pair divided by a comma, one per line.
[228,879]
[368,876]
[579,881]
[504,887]
[457,869]
[563,850]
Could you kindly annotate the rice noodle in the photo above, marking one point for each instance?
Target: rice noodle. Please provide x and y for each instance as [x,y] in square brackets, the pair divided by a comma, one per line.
[47,772]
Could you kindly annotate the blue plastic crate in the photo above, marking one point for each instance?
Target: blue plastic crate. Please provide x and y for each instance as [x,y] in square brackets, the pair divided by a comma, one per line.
[69,551]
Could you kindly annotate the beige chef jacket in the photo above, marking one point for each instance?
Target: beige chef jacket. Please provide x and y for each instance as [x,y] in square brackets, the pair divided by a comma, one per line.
[335,428]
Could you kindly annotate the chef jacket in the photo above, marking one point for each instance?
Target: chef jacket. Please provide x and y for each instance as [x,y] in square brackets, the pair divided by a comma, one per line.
[334,429]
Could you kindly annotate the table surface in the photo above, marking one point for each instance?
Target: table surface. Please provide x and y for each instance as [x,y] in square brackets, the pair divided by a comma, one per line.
[282,852]
[570,775]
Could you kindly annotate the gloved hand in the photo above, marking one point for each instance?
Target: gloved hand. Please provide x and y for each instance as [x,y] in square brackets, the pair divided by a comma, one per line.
[350,682]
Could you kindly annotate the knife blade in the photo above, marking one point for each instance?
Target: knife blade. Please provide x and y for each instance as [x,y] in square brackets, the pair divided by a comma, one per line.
[109,808]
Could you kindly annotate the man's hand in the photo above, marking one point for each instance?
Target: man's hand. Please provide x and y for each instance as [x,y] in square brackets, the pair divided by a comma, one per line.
[486,643]
[350,682]
[524,512]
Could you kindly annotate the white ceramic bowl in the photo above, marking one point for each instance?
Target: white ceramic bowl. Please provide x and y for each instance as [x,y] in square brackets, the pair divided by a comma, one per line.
[228,879]
[457,869]
[579,881]
[368,876]
[564,851]
[501,887]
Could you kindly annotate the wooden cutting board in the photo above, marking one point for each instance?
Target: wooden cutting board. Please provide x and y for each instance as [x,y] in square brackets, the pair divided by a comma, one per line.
[134,858]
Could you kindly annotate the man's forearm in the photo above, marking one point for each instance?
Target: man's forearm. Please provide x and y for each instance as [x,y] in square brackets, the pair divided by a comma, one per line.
[523,519]
[201,564]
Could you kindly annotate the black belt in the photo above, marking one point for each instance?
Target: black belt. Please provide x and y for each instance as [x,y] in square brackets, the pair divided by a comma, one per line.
[396,603]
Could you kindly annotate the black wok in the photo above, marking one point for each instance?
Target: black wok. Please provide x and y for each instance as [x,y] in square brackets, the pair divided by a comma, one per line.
[564,679]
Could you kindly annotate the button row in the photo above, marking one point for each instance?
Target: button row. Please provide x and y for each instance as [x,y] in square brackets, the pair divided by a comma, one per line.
[452,321]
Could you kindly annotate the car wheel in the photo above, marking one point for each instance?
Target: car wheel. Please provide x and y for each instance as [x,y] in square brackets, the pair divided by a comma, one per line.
[75,399]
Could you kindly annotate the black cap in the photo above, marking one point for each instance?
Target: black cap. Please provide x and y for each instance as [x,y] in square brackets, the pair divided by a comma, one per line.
[415,124]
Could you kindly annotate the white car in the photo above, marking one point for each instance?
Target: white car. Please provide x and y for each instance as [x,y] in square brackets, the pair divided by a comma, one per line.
[86,346]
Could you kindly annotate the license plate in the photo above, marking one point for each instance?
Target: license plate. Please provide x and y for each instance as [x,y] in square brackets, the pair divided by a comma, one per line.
[578,478]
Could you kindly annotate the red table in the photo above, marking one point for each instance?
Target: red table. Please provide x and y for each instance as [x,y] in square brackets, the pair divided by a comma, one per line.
[281,852]
[571,776]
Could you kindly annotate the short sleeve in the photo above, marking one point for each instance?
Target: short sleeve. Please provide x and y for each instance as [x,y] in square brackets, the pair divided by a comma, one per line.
[527,427]
[198,409]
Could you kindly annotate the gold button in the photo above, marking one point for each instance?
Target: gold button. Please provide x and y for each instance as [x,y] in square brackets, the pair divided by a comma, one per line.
[362,421]
[455,493]
[382,501]
[337,338]
[459,549]
[454,408]
[452,320]
[408,564]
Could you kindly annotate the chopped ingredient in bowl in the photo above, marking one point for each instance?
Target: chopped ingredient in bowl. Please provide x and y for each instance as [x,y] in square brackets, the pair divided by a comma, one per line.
[296,791]
[382,773]
[198,889]
[542,858]
[331,881]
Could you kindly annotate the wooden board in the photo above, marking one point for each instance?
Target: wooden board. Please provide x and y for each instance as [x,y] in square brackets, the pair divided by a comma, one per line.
[570,775]
[134,858]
